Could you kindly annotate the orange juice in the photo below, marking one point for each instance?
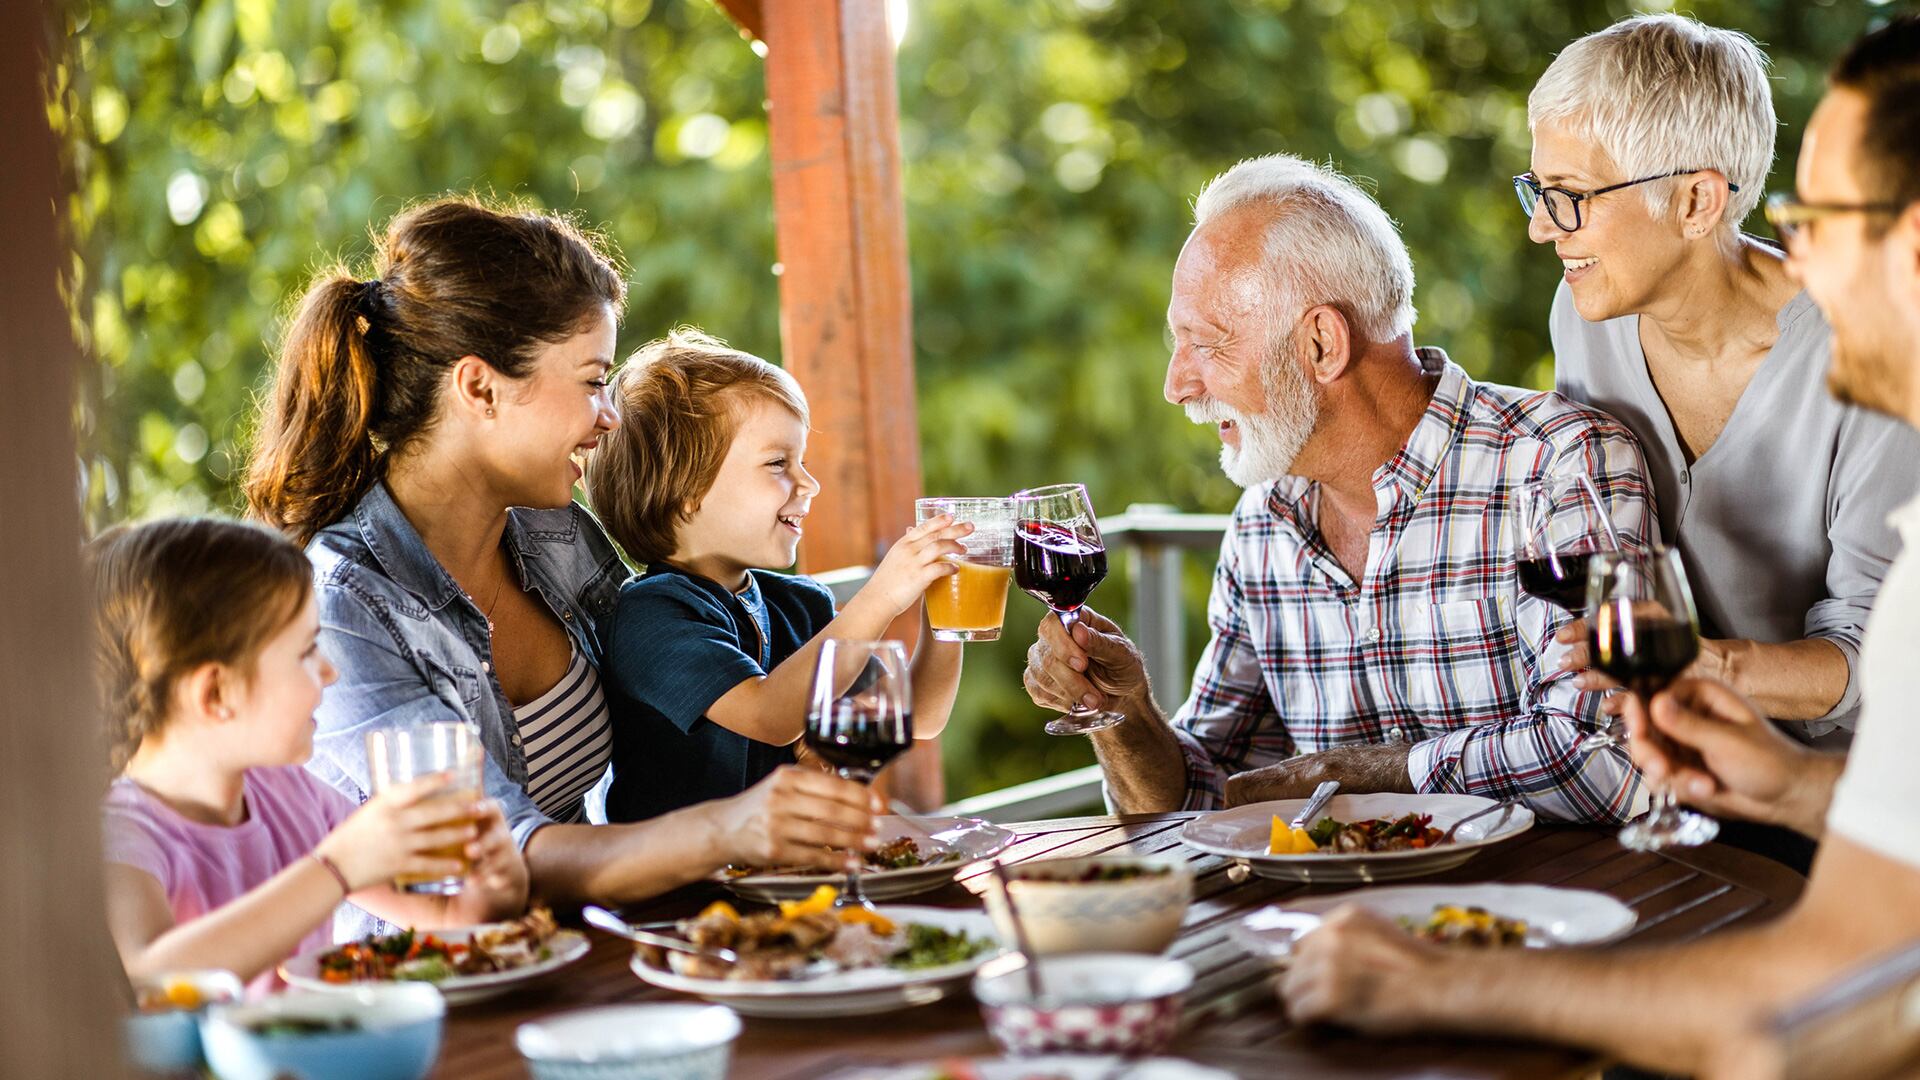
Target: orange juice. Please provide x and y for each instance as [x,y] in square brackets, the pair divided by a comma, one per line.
[969,605]
[456,852]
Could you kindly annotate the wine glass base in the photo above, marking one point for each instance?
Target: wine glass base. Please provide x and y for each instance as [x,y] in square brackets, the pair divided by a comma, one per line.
[1669,828]
[1598,742]
[1079,723]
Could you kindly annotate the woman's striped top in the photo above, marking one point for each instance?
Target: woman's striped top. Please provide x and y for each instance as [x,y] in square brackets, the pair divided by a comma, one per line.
[568,740]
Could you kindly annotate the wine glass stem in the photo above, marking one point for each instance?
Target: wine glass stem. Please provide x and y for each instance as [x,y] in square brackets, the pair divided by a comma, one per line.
[855,893]
[1068,620]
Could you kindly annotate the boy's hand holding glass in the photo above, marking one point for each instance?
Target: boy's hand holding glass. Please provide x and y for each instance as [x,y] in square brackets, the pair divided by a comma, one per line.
[971,603]
[915,561]
[405,833]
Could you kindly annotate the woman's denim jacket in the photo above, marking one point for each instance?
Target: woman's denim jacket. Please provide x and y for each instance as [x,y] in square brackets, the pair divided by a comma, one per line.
[412,648]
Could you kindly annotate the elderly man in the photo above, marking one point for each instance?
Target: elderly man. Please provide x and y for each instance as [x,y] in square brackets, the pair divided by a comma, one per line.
[1854,242]
[1367,625]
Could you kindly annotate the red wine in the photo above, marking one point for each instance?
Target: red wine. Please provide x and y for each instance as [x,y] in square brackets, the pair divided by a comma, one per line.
[1647,656]
[1557,579]
[1056,567]
[859,742]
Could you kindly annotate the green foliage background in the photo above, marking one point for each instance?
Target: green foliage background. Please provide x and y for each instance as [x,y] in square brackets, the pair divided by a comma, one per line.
[223,150]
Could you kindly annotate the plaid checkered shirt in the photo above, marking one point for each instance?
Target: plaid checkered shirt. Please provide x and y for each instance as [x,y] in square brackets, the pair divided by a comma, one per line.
[1436,645]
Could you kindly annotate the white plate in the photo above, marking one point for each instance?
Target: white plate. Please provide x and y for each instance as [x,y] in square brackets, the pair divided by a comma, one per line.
[1244,832]
[566,946]
[1050,1066]
[972,837]
[844,993]
[1553,916]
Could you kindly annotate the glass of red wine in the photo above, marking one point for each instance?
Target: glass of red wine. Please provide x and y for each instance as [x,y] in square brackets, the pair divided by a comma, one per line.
[1058,558]
[1562,523]
[859,718]
[1643,631]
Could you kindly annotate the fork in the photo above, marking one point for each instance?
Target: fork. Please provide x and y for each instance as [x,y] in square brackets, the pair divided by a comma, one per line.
[1506,809]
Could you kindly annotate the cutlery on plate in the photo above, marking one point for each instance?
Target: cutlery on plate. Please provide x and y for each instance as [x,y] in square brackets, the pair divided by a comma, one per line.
[614,924]
[1322,795]
[1505,808]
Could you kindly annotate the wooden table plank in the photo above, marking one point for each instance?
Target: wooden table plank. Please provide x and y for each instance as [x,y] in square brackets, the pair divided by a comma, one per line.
[1231,1019]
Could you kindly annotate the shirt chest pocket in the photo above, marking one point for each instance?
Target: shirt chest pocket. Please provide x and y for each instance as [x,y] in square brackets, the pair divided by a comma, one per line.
[455,684]
[1462,661]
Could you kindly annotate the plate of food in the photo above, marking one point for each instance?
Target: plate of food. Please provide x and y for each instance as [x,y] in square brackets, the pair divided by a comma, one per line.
[1357,838]
[468,964]
[808,958]
[915,856]
[1470,916]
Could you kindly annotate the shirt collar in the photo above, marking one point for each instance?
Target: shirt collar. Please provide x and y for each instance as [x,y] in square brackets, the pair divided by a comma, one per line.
[404,556]
[1412,468]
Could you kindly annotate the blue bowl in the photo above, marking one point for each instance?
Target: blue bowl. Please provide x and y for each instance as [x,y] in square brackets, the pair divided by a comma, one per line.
[395,1036]
[167,1040]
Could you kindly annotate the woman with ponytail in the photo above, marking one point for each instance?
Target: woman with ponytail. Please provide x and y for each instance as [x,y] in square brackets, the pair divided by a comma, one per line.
[422,439]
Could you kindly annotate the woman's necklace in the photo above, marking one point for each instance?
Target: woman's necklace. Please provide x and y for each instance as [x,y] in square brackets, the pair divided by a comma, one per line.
[491,604]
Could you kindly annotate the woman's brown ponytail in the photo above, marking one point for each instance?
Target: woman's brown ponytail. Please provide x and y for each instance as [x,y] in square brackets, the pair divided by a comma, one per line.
[314,453]
[363,362]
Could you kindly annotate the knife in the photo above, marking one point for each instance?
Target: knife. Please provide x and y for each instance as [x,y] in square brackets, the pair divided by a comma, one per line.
[1321,796]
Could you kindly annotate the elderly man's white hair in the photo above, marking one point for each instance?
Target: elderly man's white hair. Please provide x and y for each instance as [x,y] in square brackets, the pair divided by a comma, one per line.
[1327,242]
[1665,93]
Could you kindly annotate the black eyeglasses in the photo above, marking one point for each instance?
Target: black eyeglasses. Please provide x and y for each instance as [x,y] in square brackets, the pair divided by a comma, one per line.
[1563,206]
[1790,217]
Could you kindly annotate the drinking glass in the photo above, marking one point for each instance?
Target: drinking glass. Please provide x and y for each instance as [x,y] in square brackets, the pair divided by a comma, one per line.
[1562,523]
[1643,632]
[971,604]
[1058,558]
[859,718]
[399,755]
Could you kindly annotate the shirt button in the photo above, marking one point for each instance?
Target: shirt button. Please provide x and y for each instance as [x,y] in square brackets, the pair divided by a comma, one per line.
[486,667]
[1373,634]
[1396,735]
[567,615]
[1686,476]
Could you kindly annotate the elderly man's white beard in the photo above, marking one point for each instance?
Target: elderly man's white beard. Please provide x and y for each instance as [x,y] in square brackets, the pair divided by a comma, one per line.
[1270,442]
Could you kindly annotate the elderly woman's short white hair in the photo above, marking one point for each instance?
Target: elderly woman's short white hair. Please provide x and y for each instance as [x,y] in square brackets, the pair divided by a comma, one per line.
[1665,93]
[1327,243]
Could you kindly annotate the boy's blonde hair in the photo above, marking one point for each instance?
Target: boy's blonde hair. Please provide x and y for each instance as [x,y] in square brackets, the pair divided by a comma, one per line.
[680,401]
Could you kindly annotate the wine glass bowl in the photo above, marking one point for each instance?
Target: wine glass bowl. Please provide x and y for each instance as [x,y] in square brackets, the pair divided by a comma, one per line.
[1058,559]
[1643,633]
[859,718]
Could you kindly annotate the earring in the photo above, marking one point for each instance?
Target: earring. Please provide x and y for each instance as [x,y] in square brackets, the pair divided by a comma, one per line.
[489,412]
[223,712]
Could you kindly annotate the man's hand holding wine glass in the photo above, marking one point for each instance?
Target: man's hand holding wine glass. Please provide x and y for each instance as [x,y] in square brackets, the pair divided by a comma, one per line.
[1093,664]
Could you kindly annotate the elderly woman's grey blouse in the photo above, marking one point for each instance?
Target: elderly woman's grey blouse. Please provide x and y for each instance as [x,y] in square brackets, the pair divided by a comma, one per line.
[1782,523]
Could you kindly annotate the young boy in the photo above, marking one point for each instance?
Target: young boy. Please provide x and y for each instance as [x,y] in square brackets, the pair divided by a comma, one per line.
[710,654]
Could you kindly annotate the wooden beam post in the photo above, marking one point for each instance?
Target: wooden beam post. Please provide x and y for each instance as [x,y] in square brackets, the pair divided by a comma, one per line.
[60,1007]
[846,309]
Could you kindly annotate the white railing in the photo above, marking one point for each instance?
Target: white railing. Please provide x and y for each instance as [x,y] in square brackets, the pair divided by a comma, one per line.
[1156,540]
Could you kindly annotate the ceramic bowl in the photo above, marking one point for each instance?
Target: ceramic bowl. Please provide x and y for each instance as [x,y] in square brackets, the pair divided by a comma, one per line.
[631,1042]
[165,1038]
[1093,1003]
[395,1035]
[1063,913]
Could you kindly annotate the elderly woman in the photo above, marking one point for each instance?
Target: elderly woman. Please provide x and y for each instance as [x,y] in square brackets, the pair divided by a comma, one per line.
[1651,141]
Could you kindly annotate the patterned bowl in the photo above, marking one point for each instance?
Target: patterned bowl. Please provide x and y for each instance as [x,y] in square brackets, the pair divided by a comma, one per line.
[1094,1003]
[1063,913]
[631,1042]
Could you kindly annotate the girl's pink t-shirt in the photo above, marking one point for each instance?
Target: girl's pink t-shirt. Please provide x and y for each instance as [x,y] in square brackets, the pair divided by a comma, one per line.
[203,866]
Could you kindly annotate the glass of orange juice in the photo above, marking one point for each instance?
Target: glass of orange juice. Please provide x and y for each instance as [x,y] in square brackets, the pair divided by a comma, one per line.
[970,605]
[398,755]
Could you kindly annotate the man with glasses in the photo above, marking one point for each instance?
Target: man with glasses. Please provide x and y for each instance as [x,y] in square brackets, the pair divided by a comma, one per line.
[1650,142]
[1854,243]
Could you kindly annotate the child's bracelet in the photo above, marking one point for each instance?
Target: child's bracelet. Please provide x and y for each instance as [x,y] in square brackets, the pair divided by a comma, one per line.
[345,889]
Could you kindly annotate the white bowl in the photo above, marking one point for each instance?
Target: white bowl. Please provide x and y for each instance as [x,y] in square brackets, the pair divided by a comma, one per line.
[631,1042]
[1065,915]
[167,1040]
[1102,1003]
[396,1036]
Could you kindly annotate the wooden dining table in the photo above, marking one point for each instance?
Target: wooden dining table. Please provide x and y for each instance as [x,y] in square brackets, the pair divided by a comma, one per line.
[1231,1021]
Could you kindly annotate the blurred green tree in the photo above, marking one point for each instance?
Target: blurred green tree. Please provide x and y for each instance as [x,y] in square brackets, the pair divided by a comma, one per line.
[223,150]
